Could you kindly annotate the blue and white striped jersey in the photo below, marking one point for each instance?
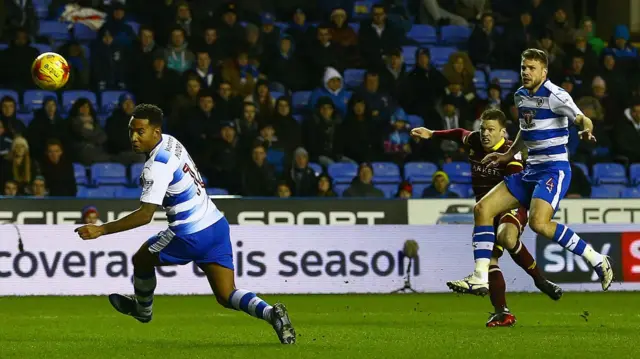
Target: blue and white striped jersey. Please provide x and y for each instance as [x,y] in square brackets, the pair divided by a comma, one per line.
[544,124]
[171,179]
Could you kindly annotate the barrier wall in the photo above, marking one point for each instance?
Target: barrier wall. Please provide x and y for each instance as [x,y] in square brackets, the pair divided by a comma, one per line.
[300,259]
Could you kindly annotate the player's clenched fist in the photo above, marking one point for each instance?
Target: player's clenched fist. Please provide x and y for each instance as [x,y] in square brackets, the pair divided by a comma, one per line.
[90,231]
[422,132]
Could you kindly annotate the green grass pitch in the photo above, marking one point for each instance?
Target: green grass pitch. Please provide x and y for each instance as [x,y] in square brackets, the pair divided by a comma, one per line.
[580,325]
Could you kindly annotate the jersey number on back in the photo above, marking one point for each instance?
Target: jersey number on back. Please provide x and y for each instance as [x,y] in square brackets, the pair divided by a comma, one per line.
[195,175]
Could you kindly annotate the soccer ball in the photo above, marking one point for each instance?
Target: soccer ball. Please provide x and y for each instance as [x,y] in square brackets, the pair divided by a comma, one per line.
[50,71]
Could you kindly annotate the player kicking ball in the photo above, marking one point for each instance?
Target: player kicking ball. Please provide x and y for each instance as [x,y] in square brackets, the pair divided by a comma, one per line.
[197,232]
[509,225]
[545,111]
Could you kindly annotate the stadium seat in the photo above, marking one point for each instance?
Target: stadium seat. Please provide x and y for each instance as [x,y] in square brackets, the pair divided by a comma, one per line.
[362,9]
[419,172]
[423,34]
[355,26]
[70,97]
[353,78]
[386,172]
[24,117]
[607,191]
[480,80]
[42,48]
[459,172]
[217,192]
[339,188]
[102,119]
[415,121]
[53,29]
[631,192]
[100,192]
[276,94]
[136,172]
[3,46]
[634,174]
[389,190]
[455,35]
[135,26]
[41,9]
[609,173]
[32,99]
[316,168]
[298,118]
[506,78]
[80,172]
[462,190]
[128,192]
[276,158]
[108,173]
[283,26]
[584,169]
[482,94]
[440,55]
[84,33]
[13,94]
[300,100]
[109,100]
[418,188]
[343,172]
[409,55]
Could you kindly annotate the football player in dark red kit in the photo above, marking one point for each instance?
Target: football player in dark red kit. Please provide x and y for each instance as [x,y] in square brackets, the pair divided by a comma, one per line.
[491,138]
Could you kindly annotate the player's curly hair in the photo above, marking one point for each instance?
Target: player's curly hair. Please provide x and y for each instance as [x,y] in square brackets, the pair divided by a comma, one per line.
[149,112]
[494,114]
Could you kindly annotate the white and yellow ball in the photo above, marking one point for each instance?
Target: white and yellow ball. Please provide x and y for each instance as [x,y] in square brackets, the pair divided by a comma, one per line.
[50,71]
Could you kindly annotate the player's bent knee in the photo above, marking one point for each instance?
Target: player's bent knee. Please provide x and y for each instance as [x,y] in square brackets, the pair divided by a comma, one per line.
[539,226]
[481,211]
[507,235]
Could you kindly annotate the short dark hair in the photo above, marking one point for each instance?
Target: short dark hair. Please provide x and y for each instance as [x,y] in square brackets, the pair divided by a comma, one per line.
[54,142]
[536,54]
[494,114]
[149,112]
[379,6]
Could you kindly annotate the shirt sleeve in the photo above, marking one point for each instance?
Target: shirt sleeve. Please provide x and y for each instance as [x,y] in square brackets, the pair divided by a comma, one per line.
[155,182]
[561,103]
[515,165]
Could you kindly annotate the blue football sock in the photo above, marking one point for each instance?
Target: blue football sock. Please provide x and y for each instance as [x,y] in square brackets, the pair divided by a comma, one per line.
[250,303]
[483,239]
[567,238]
[144,284]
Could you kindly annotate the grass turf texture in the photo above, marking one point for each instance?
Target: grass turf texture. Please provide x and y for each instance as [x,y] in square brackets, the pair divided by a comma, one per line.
[598,325]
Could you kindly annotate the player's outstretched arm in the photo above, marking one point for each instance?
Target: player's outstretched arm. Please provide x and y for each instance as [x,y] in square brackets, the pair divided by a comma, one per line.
[137,218]
[455,134]
[587,128]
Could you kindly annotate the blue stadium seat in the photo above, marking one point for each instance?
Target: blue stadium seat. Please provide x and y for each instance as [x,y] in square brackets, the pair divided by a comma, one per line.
[415,121]
[135,26]
[80,172]
[482,94]
[217,192]
[128,192]
[422,172]
[418,188]
[42,48]
[99,192]
[136,172]
[480,80]
[283,26]
[109,100]
[342,172]
[84,33]
[316,168]
[299,118]
[32,99]
[3,46]
[70,97]
[355,26]
[506,78]
[108,173]
[459,172]
[276,158]
[386,172]
[353,78]
[53,29]
[389,190]
[631,192]
[276,94]
[339,188]
[440,55]
[454,34]
[634,174]
[423,34]
[584,169]
[609,173]
[13,94]
[102,119]
[463,190]
[41,8]
[607,191]
[300,100]
[362,9]
[25,117]
[409,55]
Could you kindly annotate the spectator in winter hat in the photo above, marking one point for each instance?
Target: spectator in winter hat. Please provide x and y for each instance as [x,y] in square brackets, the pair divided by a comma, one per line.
[90,215]
[333,87]
[397,145]
[302,178]
[405,190]
[439,187]
[361,185]
[325,186]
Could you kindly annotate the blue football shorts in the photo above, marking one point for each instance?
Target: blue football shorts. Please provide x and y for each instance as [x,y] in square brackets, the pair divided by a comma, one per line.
[210,245]
[549,185]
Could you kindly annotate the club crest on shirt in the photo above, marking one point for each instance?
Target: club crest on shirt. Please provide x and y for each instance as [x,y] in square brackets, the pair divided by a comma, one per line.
[527,119]
[539,102]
